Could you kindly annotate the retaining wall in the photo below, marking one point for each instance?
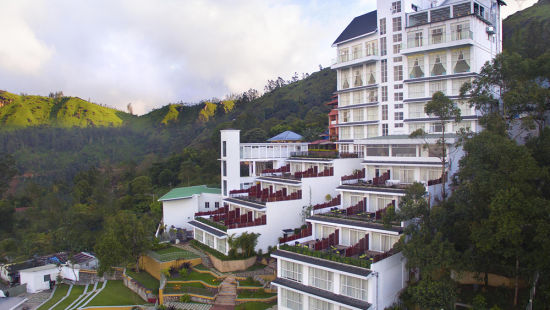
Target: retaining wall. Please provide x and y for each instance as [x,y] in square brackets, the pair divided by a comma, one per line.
[155,267]
[231,265]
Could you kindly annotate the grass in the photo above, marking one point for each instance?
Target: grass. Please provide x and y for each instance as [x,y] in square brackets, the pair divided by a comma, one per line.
[75,293]
[193,288]
[200,267]
[60,292]
[116,294]
[172,253]
[256,266]
[254,294]
[145,279]
[255,305]
[193,275]
[249,282]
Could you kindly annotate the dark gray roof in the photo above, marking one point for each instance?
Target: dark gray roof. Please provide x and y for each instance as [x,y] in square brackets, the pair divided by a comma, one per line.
[360,25]
[425,119]
[323,263]
[348,301]
[276,179]
[208,229]
[429,163]
[356,223]
[372,189]
[246,203]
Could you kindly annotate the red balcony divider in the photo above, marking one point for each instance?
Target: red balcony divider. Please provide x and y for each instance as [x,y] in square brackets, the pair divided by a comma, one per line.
[304,232]
[334,202]
[358,175]
[361,246]
[332,240]
[356,209]
[380,213]
[381,180]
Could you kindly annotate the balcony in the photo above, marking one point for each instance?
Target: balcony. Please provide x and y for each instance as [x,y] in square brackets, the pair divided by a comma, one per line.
[256,194]
[353,178]
[324,154]
[301,233]
[336,201]
[456,10]
[355,57]
[224,219]
[358,212]
[416,44]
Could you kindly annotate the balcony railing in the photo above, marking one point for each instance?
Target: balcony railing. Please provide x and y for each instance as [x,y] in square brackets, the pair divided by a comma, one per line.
[278,171]
[257,194]
[413,42]
[359,248]
[353,178]
[316,154]
[232,219]
[304,250]
[354,55]
[359,212]
[304,232]
[333,202]
[325,243]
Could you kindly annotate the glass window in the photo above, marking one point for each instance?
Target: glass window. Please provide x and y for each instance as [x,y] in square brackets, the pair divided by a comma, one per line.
[357,97]
[415,126]
[381,202]
[372,113]
[344,116]
[385,129]
[221,245]
[372,96]
[415,39]
[207,205]
[457,84]
[47,278]
[384,112]
[224,168]
[460,31]
[398,125]
[416,90]
[403,150]
[343,54]
[462,125]
[198,235]
[436,128]
[345,133]
[416,110]
[464,107]
[378,150]
[383,47]
[396,7]
[398,73]
[357,76]
[291,299]
[344,78]
[397,37]
[343,100]
[353,287]
[398,106]
[398,116]
[397,59]
[358,132]
[372,131]
[209,240]
[396,24]
[371,74]
[383,242]
[382,26]
[371,48]
[224,148]
[384,93]
[356,51]
[397,48]
[398,96]
[292,271]
[437,35]
[358,115]
[438,86]
[321,279]
[416,66]
[317,304]
[460,60]
[406,175]
[384,70]
[438,63]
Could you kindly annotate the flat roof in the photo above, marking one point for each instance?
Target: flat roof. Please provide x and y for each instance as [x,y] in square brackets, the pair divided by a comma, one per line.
[323,263]
[356,223]
[39,268]
[208,229]
[186,192]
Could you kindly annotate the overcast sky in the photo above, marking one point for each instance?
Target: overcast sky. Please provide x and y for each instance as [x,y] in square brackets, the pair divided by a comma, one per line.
[154,52]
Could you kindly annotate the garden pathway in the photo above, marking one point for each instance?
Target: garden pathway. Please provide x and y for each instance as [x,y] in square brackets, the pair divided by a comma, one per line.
[227,294]
[35,300]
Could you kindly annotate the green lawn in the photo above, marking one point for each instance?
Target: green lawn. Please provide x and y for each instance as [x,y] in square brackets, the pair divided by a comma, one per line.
[172,253]
[193,275]
[60,292]
[200,267]
[249,282]
[75,293]
[145,279]
[254,294]
[195,287]
[256,266]
[116,294]
[255,305]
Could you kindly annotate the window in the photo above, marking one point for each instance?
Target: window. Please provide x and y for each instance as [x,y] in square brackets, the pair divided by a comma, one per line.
[357,76]
[221,246]
[224,148]
[198,235]
[372,113]
[396,23]
[209,240]
[383,47]
[416,90]
[357,115]
[437,35]
[216,205]
[384,70]
[398,73]
[416,110]
[291,299]
[47,278]
[372,96]
[415,39]
[464,107]
[457,84]
[224,187]
[382,26]
[343,54]
[398,106]
[343,100]
[353,287]
[460,60]
[462,125]
[370,48]
[398,125]
[385,129]
[292,271]
[436,127]
[207,204]
[371,74]
[397,59]
[398,37]
[416,66]
[406,175]
[344,78]
[384,93]
[385,112]
[358,132]
[381,202]
[357,97]
[317,304]
[398,116]
[438,86]
[460,31]
[356,51]
[438,63]
[403,150]
[224,168]
[345,133]
[321,279]
[372,131]
[383,242]
[396,7]
[415,126]
[398,86]
[378,150]
[397,48]
[344,116]
[398,96]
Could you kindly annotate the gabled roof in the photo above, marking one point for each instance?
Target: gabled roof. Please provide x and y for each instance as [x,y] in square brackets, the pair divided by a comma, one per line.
[286,136]
[186,192]
[359,26]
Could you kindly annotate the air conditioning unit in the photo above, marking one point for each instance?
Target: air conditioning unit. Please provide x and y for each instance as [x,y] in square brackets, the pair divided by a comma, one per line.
[491,30]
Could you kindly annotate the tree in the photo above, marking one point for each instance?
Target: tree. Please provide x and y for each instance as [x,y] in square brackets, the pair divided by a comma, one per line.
[124,239]
[254,135]
[7,171]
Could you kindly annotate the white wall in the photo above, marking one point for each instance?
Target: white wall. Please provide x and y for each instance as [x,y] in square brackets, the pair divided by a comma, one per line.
[68,272]
[179,212]
[232,139]
[210,198]
[392,277]
[35,280]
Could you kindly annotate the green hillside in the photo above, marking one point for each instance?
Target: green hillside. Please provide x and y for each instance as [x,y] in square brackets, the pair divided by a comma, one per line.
[527,32]
[19,111]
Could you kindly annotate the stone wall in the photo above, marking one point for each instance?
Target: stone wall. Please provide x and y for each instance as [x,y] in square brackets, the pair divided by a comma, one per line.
[139,289]
[231,265]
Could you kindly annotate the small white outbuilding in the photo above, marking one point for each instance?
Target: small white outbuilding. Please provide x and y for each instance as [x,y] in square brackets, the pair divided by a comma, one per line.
[38,278]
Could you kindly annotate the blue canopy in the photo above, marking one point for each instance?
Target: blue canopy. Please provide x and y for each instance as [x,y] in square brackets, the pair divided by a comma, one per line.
[286,136]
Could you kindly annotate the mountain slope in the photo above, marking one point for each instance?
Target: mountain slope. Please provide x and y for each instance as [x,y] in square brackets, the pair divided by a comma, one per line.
[17,111]
[527,32]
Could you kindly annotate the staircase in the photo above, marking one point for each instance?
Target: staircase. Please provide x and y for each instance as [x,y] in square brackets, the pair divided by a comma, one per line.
[226,295]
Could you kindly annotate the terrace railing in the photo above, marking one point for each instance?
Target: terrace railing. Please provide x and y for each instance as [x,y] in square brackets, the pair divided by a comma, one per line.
[278,171]
[353,178]
[304,232]
[332,240]
[359,248]
[256,193]
[332,203]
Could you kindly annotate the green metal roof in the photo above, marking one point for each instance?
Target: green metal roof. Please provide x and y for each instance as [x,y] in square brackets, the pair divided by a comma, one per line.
[186,192]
